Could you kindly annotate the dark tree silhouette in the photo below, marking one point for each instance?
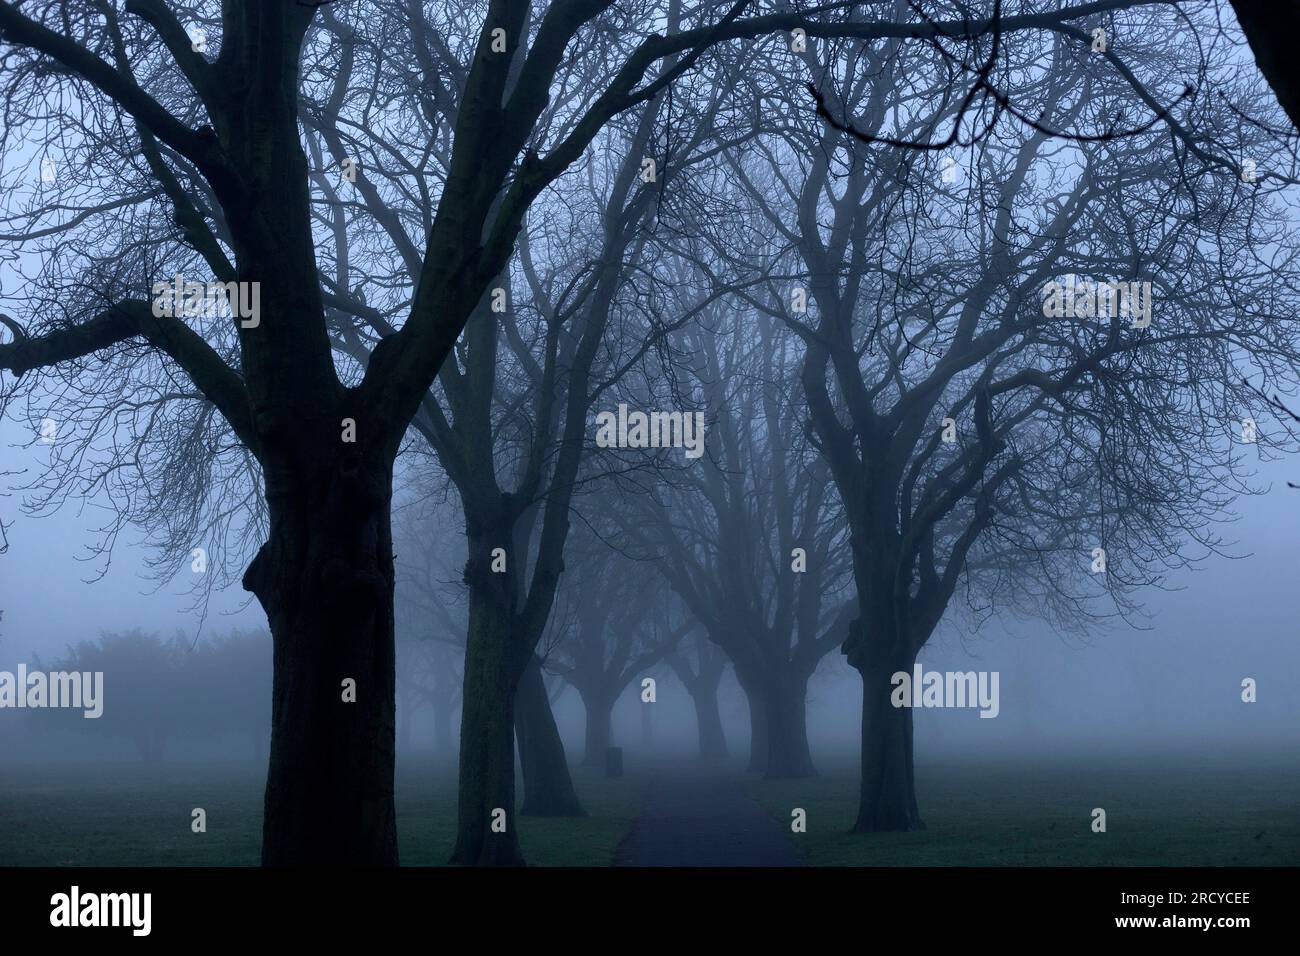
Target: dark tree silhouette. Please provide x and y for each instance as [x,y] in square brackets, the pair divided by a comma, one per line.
[184,155]
[1269,26]
[617,628]
[982,440]
[748,536]
[701,681]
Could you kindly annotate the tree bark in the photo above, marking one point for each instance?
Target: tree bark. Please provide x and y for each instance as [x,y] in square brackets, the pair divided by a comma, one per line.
[1269,26]
[647,726]
[757,726]
[599,735]
[548,785]
[887,799]
[784,699]
[713,740]
[777,706]
[325,579]
[493,668]
[703,688]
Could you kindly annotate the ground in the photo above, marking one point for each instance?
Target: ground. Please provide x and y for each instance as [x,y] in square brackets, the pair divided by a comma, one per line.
[696,816]
[127,814]
[1160,811]
[988,812]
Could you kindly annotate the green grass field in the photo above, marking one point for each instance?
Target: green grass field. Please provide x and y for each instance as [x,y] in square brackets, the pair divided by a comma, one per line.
[133,815]
[1159,812]
[990,812]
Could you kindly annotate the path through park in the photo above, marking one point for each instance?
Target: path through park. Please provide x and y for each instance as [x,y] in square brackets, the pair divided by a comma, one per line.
[694,819]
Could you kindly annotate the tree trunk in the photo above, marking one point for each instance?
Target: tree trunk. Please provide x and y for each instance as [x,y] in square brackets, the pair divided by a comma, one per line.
[548,786]
[493,667]
[887,800]
[647,727]
[713,741]
[325,579]
[757,726]
[599,735]
[1267,24]
[784,701]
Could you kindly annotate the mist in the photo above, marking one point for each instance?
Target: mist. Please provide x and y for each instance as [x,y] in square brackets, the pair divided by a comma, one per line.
[649,434]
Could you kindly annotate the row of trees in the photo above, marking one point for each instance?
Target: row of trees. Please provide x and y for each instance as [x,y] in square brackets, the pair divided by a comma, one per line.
[155,690]
[828,227]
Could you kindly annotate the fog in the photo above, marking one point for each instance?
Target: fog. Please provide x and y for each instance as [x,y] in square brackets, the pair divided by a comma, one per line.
[634,406]
[1168,683]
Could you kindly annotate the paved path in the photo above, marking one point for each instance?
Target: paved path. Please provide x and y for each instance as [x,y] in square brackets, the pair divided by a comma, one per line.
[691,820]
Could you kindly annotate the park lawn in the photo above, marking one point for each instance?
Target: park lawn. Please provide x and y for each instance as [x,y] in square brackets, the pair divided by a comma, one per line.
[123,814]
[426,821]
[1243,811]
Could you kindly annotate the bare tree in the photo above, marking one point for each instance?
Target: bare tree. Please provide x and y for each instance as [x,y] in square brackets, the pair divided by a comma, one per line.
[701,681]
[430,612]
[177,161]
[748,535]
[617,629]
[985,439]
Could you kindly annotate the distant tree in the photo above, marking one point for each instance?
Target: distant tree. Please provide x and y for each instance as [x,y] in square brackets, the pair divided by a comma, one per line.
[750,536]
[701,680]
[225,686]
[431,612]
[991,447]
[618,627]
[156,691]
[180,154]
[145,692]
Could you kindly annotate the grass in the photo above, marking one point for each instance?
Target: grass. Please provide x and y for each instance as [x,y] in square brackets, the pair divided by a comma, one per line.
[987,812]
[426,821]
[123,814]
[1167,812]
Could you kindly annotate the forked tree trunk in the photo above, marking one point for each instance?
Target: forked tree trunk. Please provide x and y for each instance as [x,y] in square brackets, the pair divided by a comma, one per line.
[325,579]
[548,786]
[703,688]
[778,720]
[887,800]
